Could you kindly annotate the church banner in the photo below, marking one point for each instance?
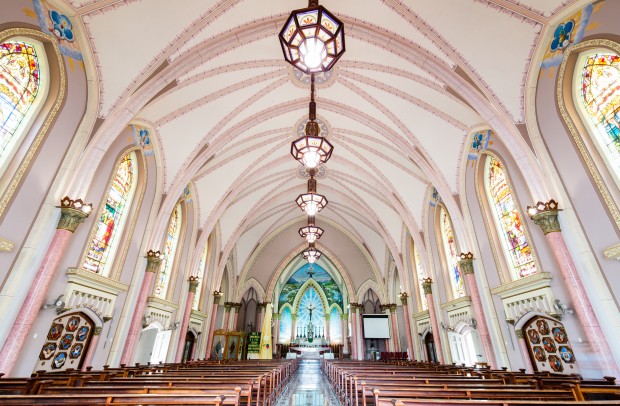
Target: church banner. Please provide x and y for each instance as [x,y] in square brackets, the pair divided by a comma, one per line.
[254,343]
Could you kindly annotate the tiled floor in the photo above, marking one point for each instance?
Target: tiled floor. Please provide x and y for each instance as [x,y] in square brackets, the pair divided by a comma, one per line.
[308,387]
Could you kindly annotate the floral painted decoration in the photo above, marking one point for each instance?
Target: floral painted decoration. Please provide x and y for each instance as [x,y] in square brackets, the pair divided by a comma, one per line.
[62,26]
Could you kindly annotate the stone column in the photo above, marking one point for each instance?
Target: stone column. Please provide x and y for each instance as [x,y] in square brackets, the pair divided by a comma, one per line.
[217,296]
[525,354]
[193,284]
[360,334]
[427,286]
[410,350]
[389,343]
[237,306]
[545,215]
[92,349]
[72,214]
[226,321]
[294,327]
[345,332]
[353,307]
[466,265]
[153,262]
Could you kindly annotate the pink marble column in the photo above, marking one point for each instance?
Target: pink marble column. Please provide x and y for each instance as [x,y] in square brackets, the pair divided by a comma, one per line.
[216,301]
[466,265]
[153,262]
[92,349]
[525,354]
[395,338]
[237,306]
[226,322]
[193,284]
[410,350]
[428,291]
[360,333]
[345,333]
[353,331]
[72,214]
[546,216]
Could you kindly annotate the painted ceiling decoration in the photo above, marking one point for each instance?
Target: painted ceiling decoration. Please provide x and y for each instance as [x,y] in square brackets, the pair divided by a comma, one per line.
[419,90]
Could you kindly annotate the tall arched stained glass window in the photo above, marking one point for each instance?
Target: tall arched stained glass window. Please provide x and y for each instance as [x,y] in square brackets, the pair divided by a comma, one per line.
[421,276]
[112,216]
[21,90]
[508,221]
[449,245]
[286,325]
[170,248]
[599,94]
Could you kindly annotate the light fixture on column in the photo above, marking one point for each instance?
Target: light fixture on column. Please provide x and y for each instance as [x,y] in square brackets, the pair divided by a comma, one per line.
[311,202]
[311,254]
[311,232]
[312,149]
[312,39]
[541,207]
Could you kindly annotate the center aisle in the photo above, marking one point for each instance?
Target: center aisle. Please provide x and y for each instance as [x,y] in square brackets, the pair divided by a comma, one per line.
[308,387]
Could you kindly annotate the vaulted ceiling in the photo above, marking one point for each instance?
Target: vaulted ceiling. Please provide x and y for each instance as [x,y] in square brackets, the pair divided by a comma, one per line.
[209,77]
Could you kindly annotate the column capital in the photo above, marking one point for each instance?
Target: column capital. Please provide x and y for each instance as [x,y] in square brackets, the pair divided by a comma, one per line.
[72,213]
[193,283]
[294,316]
[545,215]
[520,334]
[344,316]
[237,306]
[392,307]
[217,296]
[153,261]
[97,331]
[276,316]
[228,306]
[327,317]
[466,263]
[403,298]
[427,286]
[262,305]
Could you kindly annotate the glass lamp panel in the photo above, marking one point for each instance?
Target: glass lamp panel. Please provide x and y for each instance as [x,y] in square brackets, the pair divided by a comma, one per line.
[309,32]
[340,42]
[297,39]
[308,17]
[294,55]
[287,33]
[324,35]
[331,49]
[329,23]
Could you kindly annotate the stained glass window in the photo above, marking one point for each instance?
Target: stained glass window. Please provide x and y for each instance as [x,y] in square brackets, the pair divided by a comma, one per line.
[508,221]
[600,96]
[112,217]
[19,86]
[201,276]
[449,244]
[335,327]
[170,247]
[421,276]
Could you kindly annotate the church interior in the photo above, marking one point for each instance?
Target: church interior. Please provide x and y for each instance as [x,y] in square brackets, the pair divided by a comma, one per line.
[302,191]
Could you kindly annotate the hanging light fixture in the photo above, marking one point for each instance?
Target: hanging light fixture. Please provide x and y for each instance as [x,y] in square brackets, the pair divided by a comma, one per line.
[311,202]
[312,149]
[311,254]
[312,39]
[311,232]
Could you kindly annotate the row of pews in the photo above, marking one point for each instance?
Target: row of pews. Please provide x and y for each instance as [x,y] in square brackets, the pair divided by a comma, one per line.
[406,383]
[251,383]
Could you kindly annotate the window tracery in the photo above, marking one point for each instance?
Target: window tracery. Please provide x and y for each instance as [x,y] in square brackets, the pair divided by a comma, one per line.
[170,247]
[451,255]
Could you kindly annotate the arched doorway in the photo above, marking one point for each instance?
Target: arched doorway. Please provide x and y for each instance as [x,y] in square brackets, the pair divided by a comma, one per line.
[465,345]
[429,347]
[153,344]
[66,343]
[549,346]
[188,347]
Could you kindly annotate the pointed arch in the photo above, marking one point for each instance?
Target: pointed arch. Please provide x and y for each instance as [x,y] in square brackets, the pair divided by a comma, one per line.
[171,244]
[249,284]
[302,290]
[450,253]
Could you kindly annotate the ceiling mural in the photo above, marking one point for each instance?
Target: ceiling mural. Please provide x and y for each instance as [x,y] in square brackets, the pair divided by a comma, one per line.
[289,291]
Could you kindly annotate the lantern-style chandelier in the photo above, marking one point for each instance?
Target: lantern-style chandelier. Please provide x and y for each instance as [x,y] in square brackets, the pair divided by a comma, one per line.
[312,39]
[311,202]
[311,254]
[311,232]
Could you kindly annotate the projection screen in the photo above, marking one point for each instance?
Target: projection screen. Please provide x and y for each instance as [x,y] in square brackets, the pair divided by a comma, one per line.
[376,326]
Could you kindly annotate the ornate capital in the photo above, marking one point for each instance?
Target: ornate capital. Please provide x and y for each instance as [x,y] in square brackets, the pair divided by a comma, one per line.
[237,306]
[262,305]
[466,264]
[393,307]
[217,296]
[403,298]
[72,213]
[193,283]
[276,316]
[153,261]
[384,307]
[327,316]
[545,215]
[294,316]
[520,334]
[97,331]
[427,286]
[228,306]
